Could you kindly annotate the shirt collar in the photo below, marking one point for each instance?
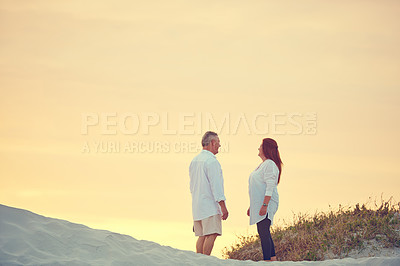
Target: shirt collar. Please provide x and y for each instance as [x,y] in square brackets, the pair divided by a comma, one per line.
[208,152]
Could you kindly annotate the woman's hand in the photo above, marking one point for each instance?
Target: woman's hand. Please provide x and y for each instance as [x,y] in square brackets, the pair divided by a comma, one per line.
[263,210]
[248,211]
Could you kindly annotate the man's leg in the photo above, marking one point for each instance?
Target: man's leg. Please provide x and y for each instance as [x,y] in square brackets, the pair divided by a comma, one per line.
[209,243]
[200,244]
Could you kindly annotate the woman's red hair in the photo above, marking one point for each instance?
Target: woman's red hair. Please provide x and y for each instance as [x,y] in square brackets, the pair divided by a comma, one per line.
[270,150]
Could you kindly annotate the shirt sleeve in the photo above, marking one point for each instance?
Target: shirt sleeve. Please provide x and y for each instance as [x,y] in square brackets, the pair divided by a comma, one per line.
[214,175]
[270,178]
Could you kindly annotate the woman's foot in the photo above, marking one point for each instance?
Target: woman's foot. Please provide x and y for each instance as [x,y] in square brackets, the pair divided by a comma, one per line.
[272,259]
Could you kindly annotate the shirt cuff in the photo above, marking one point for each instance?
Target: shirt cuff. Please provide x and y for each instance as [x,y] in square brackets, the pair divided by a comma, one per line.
[268,193]
[222,198]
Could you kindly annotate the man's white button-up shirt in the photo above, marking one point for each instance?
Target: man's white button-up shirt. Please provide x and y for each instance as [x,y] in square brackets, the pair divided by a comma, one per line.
[206,185]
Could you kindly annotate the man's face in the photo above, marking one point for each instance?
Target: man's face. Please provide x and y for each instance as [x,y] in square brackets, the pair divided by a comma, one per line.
[215,145]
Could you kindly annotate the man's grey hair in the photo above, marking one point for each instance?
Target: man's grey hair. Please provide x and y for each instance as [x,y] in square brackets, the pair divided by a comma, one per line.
[208,137]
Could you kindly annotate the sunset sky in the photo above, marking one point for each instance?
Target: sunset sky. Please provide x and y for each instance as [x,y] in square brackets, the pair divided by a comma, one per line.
[103,105]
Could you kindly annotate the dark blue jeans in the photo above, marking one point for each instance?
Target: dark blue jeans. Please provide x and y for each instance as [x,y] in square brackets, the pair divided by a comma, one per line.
[267,244]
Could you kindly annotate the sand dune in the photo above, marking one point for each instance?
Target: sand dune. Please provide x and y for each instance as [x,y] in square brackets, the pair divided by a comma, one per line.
[30,239]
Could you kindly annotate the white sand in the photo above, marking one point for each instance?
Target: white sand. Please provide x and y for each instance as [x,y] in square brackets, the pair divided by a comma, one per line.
[30,239]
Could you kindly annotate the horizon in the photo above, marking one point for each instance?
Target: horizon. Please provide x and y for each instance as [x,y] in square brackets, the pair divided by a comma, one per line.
[103,107]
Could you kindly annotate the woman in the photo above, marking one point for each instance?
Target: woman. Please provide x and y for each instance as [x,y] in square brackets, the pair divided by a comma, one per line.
[264,197]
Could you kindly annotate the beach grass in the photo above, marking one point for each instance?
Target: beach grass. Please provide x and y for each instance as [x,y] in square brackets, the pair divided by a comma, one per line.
[328,235]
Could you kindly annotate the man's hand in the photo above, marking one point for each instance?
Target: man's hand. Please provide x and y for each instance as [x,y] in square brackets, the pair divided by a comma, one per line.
[224,210]
[224,213]
[263,210]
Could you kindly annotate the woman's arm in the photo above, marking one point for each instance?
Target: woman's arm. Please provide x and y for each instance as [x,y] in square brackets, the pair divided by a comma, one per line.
[271,180]
[264,207]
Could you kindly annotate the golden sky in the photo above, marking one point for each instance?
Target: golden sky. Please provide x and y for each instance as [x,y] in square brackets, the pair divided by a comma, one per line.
[322,78]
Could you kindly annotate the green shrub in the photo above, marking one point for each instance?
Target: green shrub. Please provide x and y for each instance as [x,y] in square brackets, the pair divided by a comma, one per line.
[326,235]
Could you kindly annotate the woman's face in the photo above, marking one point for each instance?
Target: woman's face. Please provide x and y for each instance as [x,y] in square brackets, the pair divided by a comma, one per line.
[260,151]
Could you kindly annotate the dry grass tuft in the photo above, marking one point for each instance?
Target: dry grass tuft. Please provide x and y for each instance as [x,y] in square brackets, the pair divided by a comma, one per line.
[327,235]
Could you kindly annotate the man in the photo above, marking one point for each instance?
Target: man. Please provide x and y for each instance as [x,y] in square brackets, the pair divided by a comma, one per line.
[208,199]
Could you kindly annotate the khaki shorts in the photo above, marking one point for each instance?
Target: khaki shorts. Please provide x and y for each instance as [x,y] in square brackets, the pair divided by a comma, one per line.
[208,226]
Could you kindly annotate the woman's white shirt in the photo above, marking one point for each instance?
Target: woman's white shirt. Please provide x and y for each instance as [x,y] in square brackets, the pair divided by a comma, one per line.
[263,182]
